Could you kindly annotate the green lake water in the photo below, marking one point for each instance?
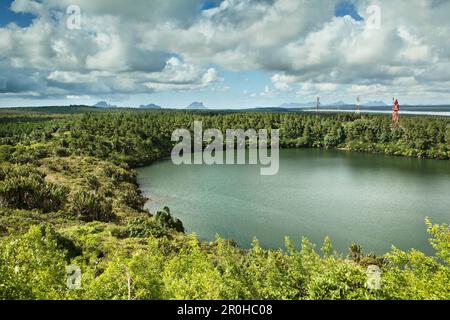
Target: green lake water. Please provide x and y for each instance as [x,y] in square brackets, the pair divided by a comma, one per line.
[374,200]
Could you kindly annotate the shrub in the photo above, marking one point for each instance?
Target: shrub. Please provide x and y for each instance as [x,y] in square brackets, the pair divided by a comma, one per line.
[32,266]
[91,206]
[165,219]
[144,227]
[24,187]
[131,196]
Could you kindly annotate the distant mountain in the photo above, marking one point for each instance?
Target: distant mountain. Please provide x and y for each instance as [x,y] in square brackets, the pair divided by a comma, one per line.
[150,106]
[312,104]
[297,105]
[337,104]
[334,105]
[103,104]
[374,104]
[196,106]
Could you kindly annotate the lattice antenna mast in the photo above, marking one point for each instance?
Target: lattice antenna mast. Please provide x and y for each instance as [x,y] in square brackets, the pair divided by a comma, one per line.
[358,104]
[395,110]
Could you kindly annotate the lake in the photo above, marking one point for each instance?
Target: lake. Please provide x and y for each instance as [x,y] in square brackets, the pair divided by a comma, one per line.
[374,200]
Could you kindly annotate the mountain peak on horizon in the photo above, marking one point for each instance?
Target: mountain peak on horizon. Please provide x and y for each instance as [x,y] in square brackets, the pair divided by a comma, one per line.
[337,104]
[150,106]
[374,104]
[196,106]
[297,105]
[103,104]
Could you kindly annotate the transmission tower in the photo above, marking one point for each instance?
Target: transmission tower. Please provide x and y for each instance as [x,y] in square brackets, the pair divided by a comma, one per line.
[358,105]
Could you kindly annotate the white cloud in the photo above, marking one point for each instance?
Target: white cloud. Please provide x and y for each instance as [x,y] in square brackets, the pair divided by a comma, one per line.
[312,89]
[104,57]
[268,92]
[148,46]
[283,82]
[181,76]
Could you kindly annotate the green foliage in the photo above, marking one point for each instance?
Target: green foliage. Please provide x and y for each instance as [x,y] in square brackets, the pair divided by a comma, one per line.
[131,197]
[138,138]
[440,239]
[144,227]
[6,152]
[414,276]
[25,187]
[191,275]
[90,206]
[32,266]
[164,219]
[68,197]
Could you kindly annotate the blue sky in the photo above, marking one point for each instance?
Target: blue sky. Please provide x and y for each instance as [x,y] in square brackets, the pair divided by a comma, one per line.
[242,85]
[345,8]
[24,20]
[8,16]
[227,56]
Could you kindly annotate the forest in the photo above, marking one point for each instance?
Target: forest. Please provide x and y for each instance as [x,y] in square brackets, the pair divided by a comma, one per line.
[69,197]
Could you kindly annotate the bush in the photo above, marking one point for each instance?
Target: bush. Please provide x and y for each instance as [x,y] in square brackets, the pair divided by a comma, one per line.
[32,266]
[24,187]
[91,206]
[131,196]
[165,220]
[62,152]
[144,227]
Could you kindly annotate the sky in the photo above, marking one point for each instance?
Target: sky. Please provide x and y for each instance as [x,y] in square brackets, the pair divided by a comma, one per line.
[224,53]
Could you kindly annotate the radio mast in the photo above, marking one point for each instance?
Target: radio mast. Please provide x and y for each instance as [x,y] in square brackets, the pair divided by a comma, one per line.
[358,105]
[395,110]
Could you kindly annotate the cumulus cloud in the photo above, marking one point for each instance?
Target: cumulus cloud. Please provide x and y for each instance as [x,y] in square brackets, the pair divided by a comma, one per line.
[105,56]
[181,76]
[268,92]
[150,46]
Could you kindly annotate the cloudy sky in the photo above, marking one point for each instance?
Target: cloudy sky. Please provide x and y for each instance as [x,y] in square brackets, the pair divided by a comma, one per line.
[225,53]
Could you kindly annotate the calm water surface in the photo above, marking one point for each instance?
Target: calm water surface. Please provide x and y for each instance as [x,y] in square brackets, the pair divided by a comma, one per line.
[373,200]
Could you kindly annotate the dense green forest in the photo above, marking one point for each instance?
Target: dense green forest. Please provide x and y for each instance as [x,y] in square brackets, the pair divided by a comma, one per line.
[69,197]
